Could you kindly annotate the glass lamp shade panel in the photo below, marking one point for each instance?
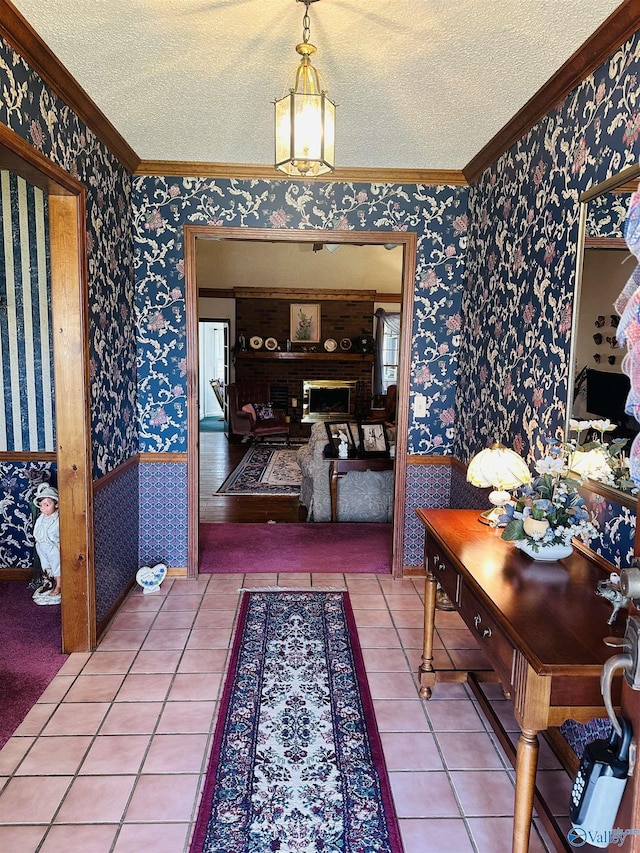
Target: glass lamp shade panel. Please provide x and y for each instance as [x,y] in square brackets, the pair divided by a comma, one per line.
[499,468]
[305,124]
[590,463]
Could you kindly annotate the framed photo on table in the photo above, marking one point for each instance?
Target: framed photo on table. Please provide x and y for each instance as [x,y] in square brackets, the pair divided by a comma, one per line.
[305,322]
[374,440]
[336,432]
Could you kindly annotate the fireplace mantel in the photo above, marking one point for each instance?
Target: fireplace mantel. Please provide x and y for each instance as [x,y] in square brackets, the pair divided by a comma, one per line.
[325,356]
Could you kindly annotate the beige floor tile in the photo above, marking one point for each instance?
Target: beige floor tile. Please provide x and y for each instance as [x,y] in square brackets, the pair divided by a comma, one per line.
[96,799]
[145,687]
[109,662]
[484,793]
[161,798]
[435,835]
[131,718]
[195,686]
[55,756]
[94,688]
[152,838]
[80,837]
[176,753]
[408,751]
[115,754]
[164,661]
[22,839]
[12,754]
[32,799]
[469,751]
[187,717]
[77,718]
[420,794]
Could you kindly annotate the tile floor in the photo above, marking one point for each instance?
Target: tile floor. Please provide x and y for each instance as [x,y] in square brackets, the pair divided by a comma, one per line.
[110,760]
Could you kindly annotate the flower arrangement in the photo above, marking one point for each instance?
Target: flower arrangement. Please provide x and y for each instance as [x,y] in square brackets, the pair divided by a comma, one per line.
[604,462]
[549,511]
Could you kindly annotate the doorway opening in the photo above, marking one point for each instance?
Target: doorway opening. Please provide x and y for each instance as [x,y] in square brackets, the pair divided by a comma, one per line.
[213,369]
[251,235]
[66,203]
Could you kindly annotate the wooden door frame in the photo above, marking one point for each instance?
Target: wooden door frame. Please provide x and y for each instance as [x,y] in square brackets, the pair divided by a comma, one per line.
[406,239]
[69,310]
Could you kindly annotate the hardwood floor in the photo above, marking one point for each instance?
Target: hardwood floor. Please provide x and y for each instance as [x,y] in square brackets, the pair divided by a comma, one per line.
[218,458]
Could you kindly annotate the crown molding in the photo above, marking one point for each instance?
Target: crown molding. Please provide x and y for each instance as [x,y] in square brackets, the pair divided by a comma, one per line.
[17,31]
[248,171]
[618,27]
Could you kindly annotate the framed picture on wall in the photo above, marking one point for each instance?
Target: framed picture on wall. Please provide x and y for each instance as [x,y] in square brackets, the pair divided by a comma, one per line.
[305,322]
[373,439]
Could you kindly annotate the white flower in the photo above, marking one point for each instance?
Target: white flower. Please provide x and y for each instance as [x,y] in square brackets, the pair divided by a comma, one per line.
[551,465]
[603,426]
[579,426]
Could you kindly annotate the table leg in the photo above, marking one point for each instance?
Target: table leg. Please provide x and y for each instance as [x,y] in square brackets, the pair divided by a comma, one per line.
[333,488]
[426,671]
[526,765]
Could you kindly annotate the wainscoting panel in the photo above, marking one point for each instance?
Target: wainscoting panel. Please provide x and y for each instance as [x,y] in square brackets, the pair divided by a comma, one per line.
[163,514]
[115,518]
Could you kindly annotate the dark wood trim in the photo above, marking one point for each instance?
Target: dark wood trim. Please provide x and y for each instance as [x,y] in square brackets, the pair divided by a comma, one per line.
[193,413]
[288,295]
[21,35]
[27,456]
[424,459]
[413,572]
[15,574]
[618,27]
[605,243]
[18,156]
[257,171]
[116,473]
[69,308]
[174,456]
[265,355]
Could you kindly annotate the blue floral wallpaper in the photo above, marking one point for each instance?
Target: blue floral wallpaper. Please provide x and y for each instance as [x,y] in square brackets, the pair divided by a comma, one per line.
[523,233]
[163,205]
[35,113]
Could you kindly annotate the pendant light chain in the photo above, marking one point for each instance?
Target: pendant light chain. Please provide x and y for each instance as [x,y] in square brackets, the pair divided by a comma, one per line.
[306,24]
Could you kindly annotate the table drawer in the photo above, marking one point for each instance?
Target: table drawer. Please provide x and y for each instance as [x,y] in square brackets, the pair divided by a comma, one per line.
[485,629]
[437,564]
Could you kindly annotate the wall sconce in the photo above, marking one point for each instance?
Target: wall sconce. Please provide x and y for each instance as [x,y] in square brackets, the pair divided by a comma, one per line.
[500,469]
[305,117]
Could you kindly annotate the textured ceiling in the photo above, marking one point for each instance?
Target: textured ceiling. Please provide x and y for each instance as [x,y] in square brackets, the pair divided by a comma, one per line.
[421,84]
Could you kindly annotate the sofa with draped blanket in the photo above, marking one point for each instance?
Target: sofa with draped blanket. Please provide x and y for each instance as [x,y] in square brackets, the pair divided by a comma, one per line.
[362,495]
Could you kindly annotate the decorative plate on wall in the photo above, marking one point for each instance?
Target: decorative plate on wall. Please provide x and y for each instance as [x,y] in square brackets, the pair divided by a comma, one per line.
[345,344]
[255,342]
[271,344]
[330,345]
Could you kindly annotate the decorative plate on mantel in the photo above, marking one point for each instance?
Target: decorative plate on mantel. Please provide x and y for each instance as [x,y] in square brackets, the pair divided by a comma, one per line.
[345,344]
[255,342]
[330,345]
[271,344]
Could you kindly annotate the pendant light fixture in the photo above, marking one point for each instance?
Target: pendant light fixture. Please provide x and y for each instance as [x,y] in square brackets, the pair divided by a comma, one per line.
[305,117]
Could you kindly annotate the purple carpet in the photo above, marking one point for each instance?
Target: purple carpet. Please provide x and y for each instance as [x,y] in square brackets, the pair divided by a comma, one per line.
[304,547]
[30,639]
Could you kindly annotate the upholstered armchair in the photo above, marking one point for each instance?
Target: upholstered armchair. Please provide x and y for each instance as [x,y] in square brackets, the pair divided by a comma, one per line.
[362,495]
[251,416]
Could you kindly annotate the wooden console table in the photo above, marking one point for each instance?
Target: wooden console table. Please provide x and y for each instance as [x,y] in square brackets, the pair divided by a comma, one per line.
[356,463]
[540,625]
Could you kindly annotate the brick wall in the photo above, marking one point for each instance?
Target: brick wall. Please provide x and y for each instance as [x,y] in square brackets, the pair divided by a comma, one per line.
[270,318]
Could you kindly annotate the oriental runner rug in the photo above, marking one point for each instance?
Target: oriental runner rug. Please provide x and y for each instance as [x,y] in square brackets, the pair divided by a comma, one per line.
[265,470]
[296,764]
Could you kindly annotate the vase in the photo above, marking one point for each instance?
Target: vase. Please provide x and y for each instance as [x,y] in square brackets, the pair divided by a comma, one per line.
[545,553]
[534,525]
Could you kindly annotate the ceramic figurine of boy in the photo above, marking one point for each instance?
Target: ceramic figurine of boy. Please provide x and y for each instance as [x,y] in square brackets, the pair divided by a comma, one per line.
[46,532]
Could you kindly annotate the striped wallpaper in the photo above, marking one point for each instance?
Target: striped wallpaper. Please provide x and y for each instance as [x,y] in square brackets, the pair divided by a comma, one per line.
[27,401]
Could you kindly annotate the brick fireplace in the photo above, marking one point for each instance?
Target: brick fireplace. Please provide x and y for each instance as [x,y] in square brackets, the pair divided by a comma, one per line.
[287,371]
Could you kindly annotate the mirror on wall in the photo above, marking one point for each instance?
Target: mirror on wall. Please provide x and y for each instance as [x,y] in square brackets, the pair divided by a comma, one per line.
[604,265]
